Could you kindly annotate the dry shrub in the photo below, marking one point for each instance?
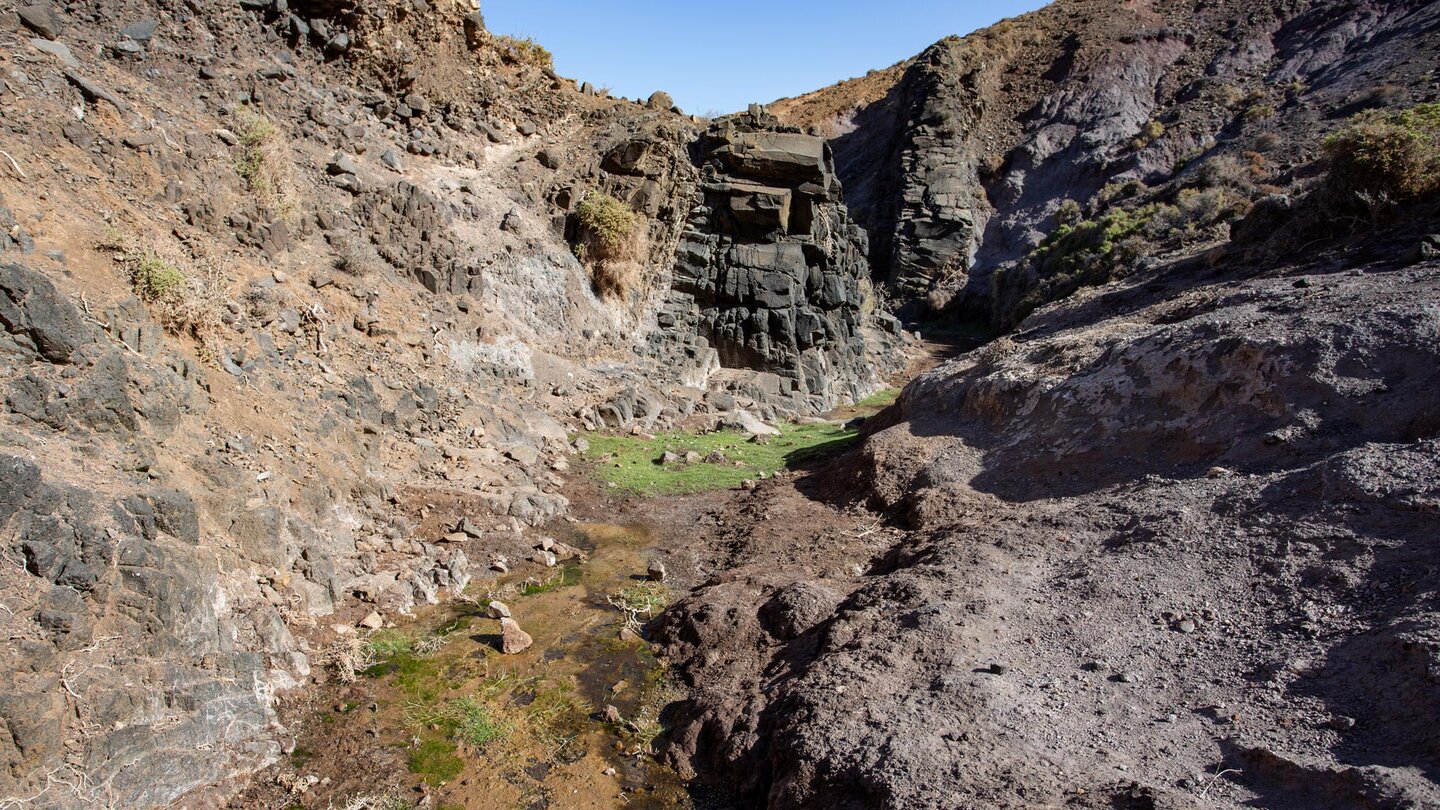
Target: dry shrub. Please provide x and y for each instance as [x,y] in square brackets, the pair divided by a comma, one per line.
[524,51]
[261,160]
[610,242]
[1386,154]
[185,301]
[345,658]
[352,257]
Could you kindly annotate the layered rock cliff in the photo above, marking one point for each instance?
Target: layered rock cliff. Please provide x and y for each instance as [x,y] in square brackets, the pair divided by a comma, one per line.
[959,161]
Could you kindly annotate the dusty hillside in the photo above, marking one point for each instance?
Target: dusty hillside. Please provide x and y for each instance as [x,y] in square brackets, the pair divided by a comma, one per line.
[958,163]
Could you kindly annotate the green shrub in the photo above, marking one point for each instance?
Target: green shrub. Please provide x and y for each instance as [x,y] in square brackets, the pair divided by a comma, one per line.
[1069,213]
[1394,154]
[1148,134]
[156,280]
[646,598]
[611,223]
[1259,112]
[182,303]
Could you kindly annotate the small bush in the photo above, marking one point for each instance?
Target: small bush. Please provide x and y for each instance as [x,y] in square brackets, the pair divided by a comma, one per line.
[1259,112]
[1394,154]
[1148,134]
[646,599]
[183,303]
[609,242]
[524,51]
[156,280]
[351,257]
[1196,214]
[260,161]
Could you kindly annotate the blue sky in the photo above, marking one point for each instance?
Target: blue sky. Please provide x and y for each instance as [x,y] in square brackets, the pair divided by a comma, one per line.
[719,57]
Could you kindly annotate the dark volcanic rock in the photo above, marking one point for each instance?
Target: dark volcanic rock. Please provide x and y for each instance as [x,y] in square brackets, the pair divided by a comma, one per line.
[771,273]
[38,315]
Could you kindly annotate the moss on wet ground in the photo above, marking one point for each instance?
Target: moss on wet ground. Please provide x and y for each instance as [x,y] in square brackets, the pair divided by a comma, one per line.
[632,463]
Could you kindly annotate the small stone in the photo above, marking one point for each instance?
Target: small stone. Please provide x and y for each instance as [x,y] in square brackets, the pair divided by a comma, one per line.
[141,32]
[512,639]
[608,772]
[455,537]
[667,458]
[998,668]
[500,565]
[342,163]
[545,558]
[1128,677]
[655,571]
[373,621]
[613,715]
[1340,722]
[628,634]
[498,609]
[565,551]
[1185,626]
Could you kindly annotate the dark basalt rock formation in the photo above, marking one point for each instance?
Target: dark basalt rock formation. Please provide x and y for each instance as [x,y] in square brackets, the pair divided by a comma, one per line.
[771,271]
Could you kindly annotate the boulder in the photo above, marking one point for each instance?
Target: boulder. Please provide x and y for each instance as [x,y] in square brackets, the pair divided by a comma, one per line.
[784,156]
[660,100]
[513,640]
[41,19]
[746,422]
[39,316]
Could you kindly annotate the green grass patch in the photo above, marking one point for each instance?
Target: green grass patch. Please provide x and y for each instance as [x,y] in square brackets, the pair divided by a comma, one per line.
[878,400]
[435,761]
[569,574]
[467,718]
[383,644]
[417,676]
[629,462]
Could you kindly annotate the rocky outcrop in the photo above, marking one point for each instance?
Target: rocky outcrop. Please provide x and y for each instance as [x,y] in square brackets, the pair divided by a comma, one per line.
[771,273]
[960,168]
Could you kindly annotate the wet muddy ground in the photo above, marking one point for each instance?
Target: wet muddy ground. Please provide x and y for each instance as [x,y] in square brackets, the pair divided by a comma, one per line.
[441,714]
